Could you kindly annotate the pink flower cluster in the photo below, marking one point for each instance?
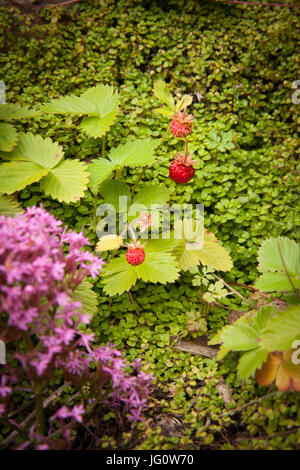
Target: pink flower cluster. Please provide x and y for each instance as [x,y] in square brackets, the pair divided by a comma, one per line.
[130,388]
[41,266]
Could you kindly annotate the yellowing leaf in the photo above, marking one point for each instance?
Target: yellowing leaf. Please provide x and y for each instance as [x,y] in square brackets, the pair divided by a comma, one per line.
[109,242]
[266,375]
[211,254]
[288,375]
[280,368]
[9,205]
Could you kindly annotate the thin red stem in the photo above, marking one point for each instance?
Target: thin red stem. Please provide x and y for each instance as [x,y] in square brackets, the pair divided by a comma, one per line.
[256,290]
[186,150]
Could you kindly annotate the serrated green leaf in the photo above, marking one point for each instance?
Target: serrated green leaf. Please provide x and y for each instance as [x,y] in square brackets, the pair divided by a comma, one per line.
[281,330]
[210,254]
[99,170]
[179,251]
[245,319]
[15,175]
[239,337]
[185,101]
[95,101]
[158,267]
[161,246]
[70,105]
[164,111]
[105,98]
[84,293]
[97,127]
[152,194]
[163,94]
[11,111]
[250,361]
[8,137]
[134,153]
[189,258]
[118,276]
[271,282]
[262,317]
[213,254]
[9,206]
[292,299]
[99,103]
[269,257]
[67,181]
[223,351]
[112,190]
[33,148]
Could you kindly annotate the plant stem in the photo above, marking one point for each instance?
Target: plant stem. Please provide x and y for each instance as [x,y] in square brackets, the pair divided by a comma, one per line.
[103,145]
[38,391]
[164,136]
[252,305]
[118,175]
[39,408]
[29,418]
[138,179]
[256,290]
[94,221]
[186,150]
[285,268]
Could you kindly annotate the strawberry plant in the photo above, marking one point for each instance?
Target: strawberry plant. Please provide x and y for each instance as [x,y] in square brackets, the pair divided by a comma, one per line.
[8,140]
[30,158]
[266,337]
[182,166]
[41,160]
[154,260]
[8,132]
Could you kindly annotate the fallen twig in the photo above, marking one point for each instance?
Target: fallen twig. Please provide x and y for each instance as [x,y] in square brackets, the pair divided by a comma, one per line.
[198,347]
[251,304]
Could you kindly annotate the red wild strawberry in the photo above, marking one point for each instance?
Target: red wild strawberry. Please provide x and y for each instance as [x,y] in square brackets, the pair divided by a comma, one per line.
[181,168]
[135,254]
[181,125]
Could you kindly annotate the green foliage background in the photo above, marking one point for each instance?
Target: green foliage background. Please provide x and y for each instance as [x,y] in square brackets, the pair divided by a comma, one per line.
[239,63]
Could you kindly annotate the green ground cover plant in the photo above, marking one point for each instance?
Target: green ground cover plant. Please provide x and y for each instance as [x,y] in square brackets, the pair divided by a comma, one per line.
[245,142]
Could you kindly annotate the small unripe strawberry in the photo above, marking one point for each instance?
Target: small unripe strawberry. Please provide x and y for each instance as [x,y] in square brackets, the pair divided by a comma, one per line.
[181,168]
[181,125]
[135,255]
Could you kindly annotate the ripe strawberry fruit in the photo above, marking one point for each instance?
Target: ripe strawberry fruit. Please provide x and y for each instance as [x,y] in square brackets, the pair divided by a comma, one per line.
[181,168]
[135,255]
[181,125]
